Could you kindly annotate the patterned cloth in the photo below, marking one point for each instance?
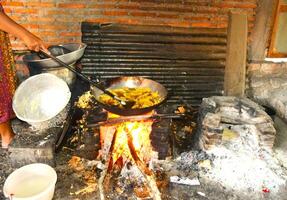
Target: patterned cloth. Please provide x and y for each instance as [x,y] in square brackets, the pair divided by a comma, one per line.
[7,77]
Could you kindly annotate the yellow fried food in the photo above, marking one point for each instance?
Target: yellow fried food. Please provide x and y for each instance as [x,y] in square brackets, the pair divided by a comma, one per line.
[143,97]
[84,100]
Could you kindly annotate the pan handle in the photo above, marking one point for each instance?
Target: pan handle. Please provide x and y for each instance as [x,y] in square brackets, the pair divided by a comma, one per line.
[72,69]
[124,103]
[86,78]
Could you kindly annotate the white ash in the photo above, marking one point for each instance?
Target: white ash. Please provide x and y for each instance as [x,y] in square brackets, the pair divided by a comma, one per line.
[184,166]
[184,180]
[245,173]
[248,140]
[187,162]
[131,172]
[242,165]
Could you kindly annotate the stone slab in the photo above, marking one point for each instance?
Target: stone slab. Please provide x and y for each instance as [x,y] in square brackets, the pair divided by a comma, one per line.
[30,146]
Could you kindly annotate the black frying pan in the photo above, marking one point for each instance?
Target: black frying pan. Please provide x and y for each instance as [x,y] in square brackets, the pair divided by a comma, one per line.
[120,82]
[131,82]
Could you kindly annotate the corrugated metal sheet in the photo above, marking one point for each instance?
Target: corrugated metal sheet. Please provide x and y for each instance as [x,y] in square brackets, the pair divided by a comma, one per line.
[188,61]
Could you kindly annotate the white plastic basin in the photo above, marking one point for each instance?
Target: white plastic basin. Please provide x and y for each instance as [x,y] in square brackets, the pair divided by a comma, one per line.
[40,98]
[42,101]
[31,182]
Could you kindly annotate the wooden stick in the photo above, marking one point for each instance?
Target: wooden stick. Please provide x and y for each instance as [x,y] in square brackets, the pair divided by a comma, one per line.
[136,118]
[146,172]
[107,168]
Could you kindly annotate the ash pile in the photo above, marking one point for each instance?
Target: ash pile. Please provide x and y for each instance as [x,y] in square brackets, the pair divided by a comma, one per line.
[240,135]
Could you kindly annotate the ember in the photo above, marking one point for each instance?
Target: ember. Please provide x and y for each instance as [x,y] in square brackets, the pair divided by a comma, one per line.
[265,190]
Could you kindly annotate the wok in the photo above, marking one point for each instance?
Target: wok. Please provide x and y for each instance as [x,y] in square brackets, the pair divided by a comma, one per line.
[120,82]
[130,82]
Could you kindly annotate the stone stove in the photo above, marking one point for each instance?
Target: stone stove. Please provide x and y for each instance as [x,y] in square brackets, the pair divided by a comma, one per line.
[223,118]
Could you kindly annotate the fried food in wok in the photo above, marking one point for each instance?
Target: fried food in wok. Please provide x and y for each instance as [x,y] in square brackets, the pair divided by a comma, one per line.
[143,97]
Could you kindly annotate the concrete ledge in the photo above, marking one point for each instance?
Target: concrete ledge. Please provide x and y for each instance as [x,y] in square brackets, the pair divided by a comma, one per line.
[31,146]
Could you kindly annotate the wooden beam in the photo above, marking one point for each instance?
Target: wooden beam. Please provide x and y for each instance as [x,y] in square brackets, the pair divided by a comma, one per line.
[235,69]
[262,29]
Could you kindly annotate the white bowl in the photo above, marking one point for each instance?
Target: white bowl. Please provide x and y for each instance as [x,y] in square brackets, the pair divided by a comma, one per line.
[40,98]
[31,182]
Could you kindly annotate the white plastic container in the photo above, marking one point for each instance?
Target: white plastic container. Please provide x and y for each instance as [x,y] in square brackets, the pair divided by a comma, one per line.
[31,182]
[42,101]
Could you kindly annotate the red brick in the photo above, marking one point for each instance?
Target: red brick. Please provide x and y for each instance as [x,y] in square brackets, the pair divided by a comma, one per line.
[71,34]
[97,20]
[187,13]
[143,14]
[25,11]
[57,13]
[42,19]
[15,3]
[56,40]
[168,15]
[117,1]
[221,25]
[51,27]
[7,10]
[71,5]
[202,24]
[48,33]
[129,6]
[102,6]
[205,9]
[114,12]
[40,4]
[236,5]
[196,18]
[245,1]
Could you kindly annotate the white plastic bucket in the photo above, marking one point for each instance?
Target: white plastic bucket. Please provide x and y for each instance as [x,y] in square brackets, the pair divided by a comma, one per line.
[31,182]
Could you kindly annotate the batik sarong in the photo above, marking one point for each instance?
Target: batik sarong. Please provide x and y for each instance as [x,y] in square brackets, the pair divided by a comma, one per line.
[7,77]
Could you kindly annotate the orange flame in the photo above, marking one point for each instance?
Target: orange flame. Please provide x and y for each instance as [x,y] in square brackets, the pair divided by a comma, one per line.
[139,131]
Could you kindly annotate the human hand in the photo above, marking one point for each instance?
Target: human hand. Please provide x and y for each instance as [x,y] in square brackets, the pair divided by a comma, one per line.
[34,43]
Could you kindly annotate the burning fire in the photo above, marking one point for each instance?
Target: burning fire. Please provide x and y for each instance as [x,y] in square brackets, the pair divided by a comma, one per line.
[127,138]
[128,141]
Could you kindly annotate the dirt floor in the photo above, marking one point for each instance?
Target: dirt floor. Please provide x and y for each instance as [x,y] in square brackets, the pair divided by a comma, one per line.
[72,182]
[77,179]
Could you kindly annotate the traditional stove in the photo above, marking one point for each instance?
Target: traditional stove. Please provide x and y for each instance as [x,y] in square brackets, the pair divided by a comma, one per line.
[126,142]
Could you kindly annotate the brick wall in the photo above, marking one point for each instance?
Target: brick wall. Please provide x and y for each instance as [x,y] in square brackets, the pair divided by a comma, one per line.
[59,21]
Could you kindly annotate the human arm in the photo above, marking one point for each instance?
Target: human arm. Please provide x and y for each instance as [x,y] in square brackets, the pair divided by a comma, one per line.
[10,26]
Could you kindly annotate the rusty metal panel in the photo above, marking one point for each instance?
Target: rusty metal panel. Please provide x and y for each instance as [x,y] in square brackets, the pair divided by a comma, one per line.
[190,62]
